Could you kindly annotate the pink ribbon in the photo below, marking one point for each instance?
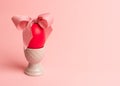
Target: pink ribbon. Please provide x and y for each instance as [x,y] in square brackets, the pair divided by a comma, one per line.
[25,22]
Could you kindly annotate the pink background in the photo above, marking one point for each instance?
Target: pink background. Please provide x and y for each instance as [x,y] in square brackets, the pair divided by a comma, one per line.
[83,49]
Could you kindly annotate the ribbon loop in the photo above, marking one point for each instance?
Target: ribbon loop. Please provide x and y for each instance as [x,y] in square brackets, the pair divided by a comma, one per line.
[45,20]
[20,21]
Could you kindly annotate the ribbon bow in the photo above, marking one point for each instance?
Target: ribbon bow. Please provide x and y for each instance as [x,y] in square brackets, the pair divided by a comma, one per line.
[25,22]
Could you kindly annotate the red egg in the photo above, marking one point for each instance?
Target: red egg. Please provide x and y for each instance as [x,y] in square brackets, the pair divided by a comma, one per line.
[38,39]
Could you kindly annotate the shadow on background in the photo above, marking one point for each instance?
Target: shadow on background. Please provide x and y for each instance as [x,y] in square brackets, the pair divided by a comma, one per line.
[12,63]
